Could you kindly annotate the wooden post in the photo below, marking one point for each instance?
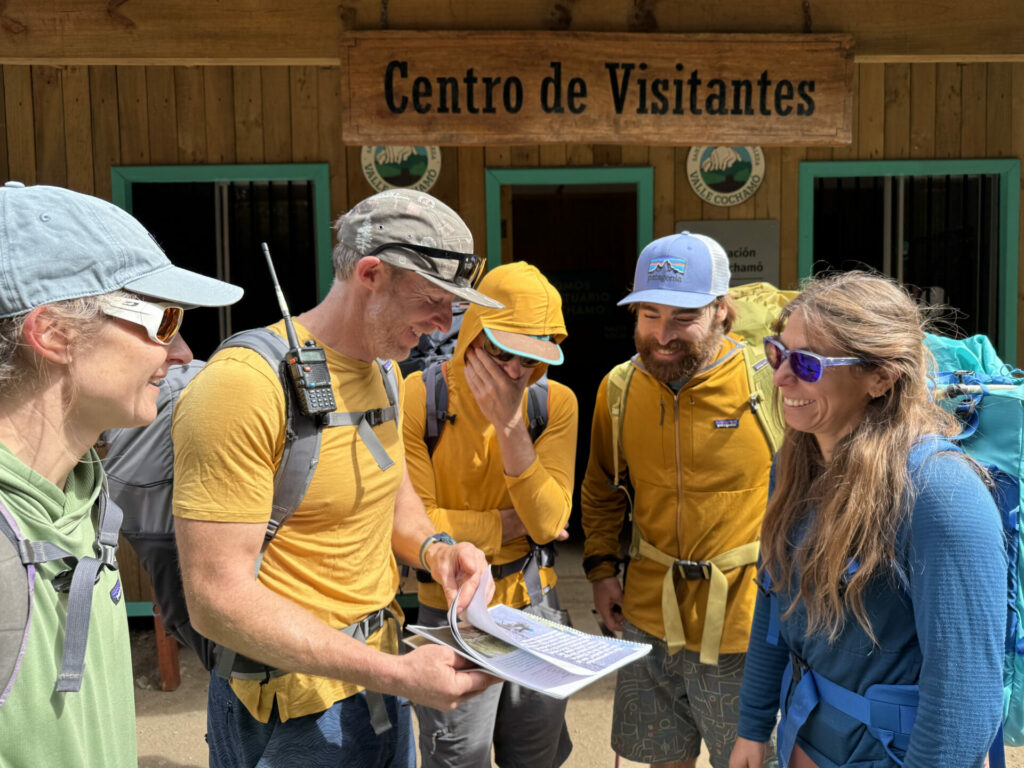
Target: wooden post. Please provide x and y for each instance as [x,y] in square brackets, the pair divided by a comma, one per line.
[166,654]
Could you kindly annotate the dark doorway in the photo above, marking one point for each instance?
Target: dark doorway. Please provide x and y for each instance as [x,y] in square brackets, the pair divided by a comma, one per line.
[215,228]
[584,239]
[939,235]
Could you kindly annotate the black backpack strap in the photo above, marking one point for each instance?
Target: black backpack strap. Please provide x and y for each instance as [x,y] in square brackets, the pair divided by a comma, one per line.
[437,405]
[537,407]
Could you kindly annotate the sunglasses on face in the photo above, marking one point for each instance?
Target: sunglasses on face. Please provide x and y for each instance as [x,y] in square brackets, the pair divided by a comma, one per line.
[502,356]
[447,265]
[806,366]
[161,320]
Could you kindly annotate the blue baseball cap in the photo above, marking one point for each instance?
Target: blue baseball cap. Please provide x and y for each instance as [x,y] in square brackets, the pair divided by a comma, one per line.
[682,270]
[56,245]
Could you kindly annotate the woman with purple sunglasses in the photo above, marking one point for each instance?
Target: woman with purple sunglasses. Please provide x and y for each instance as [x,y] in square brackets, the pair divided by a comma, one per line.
[879,629]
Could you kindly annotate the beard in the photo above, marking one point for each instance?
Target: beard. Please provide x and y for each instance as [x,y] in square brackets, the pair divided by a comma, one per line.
[386,322]
[693,355]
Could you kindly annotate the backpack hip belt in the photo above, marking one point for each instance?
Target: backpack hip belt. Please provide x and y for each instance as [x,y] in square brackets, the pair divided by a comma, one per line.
[888,711]
[712,570]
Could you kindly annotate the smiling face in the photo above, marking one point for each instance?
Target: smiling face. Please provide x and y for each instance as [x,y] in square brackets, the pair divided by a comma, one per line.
[675,343]
[402,311]
[117,373]
[833,406]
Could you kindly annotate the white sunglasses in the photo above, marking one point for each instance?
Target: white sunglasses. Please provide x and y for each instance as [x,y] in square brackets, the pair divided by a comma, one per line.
[160,319]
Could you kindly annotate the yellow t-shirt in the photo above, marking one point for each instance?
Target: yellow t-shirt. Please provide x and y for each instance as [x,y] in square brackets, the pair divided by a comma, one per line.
[333,556]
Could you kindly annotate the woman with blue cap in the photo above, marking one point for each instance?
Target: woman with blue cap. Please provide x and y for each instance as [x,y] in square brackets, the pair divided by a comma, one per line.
[90,309]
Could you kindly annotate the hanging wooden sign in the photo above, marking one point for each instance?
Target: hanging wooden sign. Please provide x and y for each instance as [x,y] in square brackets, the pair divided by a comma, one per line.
[533,87]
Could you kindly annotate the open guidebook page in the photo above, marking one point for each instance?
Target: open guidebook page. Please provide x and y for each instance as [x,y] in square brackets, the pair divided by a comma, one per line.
[535,653]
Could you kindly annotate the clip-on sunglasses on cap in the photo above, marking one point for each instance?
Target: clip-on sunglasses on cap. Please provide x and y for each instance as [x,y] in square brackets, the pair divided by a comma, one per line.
[502,356]
[447,265]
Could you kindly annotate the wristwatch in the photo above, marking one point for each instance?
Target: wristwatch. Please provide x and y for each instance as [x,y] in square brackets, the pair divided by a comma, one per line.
[442,537]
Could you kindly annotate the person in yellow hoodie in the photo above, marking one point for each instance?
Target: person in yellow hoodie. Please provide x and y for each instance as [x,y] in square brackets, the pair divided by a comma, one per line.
[487,482]
[698,463]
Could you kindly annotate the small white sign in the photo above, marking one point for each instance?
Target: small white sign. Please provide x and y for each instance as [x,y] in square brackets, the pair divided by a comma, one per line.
[403,167]
[752,245]
[725,176]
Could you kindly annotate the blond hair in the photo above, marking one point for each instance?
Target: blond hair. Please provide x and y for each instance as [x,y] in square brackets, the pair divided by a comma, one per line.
[853,506]
[20,368]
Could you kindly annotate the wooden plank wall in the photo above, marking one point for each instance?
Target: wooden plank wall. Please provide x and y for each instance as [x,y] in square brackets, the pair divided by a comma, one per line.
[69,125]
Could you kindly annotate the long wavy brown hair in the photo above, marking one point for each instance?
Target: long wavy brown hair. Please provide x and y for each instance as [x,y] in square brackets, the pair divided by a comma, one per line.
[854,505]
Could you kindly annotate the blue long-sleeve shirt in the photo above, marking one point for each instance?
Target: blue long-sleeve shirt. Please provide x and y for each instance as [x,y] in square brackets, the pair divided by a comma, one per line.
[944,630]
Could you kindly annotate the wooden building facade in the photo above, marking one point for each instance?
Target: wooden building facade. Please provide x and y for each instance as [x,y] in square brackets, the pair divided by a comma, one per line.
[92,92]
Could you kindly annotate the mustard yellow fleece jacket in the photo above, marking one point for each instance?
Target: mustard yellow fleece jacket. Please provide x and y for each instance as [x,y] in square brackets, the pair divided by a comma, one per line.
[698,462]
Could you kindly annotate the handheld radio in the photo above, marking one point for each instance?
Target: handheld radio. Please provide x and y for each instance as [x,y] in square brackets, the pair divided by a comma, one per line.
[307,365]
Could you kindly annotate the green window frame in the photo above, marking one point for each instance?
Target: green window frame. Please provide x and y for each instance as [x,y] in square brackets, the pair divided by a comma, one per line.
[495,178]
[1008,171]
[123,177]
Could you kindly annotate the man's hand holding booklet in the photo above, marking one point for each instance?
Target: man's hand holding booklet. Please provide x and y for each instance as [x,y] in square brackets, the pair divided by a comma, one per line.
[525,649]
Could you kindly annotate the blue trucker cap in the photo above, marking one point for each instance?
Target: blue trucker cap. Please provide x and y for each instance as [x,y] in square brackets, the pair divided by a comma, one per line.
[56,244]
[682,270]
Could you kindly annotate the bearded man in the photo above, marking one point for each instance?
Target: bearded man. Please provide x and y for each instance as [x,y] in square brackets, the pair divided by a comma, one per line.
[676,442]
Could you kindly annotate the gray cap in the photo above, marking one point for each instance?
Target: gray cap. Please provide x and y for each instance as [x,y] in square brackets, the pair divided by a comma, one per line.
[416,218]
[56,244]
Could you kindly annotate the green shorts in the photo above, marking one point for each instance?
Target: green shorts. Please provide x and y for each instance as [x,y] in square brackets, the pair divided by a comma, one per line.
[665,705]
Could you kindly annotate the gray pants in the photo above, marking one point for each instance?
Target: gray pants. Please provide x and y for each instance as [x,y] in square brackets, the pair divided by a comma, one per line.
[526,728]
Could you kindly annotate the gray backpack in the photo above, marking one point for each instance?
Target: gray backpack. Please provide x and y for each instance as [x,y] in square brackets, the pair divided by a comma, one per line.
[140,471]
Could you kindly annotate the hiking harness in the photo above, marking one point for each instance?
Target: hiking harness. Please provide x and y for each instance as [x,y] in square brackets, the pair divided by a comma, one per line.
[77,581]
[291,481]
[759,380]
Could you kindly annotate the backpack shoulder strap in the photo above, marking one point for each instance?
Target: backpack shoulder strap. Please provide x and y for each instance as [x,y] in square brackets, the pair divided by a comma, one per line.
[302,435]
[77,581]
[537,407]
[618,388]
[437,405]
[365,421]
[759,381]
[389,374]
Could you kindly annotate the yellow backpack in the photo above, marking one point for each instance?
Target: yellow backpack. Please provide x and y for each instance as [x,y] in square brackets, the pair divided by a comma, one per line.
[757,306]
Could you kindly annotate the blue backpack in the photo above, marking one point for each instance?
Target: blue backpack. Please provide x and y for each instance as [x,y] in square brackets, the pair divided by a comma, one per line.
[988,396]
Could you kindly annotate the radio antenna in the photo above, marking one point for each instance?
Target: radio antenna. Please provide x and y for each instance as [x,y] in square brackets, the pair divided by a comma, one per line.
[293,338]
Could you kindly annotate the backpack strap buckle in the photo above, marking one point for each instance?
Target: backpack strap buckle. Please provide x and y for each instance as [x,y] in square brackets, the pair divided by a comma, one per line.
[800,667]
[62,581]
[694,570]
[379,416]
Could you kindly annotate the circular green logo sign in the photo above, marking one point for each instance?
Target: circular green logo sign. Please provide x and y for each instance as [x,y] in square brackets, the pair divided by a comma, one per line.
[725,175]
[388,167]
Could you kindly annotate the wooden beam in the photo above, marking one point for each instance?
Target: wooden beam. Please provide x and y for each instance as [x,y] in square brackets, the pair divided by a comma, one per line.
[279,32]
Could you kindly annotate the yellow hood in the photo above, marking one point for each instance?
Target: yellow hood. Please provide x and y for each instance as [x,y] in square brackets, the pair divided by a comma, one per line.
[532,306]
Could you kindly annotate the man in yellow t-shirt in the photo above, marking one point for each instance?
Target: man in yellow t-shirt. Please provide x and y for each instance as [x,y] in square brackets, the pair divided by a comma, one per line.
[401,257]
[489,483]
